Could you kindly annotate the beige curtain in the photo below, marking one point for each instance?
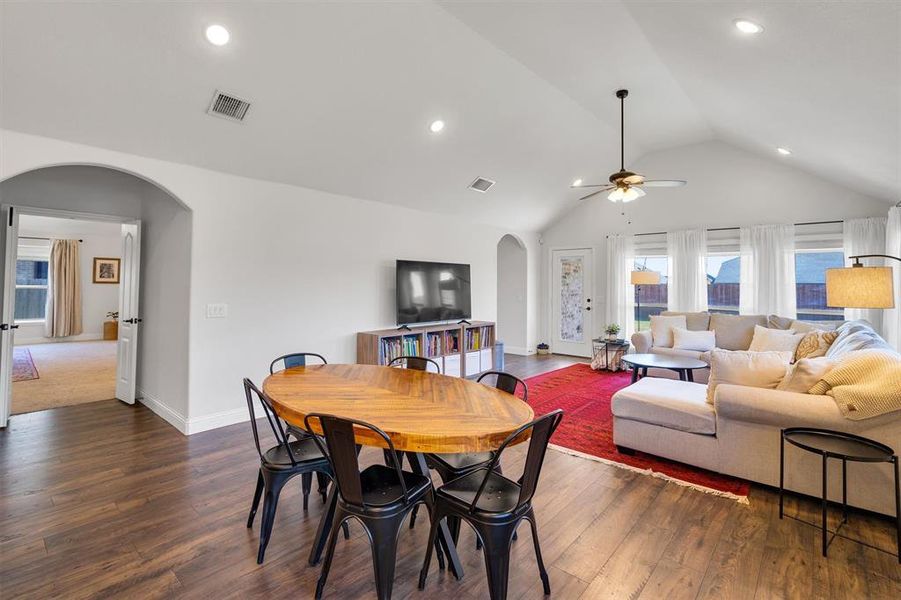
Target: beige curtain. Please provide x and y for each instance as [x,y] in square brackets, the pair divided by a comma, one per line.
[64,290]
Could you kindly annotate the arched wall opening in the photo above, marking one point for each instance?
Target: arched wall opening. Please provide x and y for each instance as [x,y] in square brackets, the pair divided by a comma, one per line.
[163,345]
[512,291]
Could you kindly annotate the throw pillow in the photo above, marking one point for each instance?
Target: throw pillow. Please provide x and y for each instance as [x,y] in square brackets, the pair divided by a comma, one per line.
[815,344]
[777,322]
[699,341]
[734,332]
[766,339]
[662,329]
[805,374]
[742,367]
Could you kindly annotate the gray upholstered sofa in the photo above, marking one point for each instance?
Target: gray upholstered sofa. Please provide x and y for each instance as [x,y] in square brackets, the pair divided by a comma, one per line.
[739,434]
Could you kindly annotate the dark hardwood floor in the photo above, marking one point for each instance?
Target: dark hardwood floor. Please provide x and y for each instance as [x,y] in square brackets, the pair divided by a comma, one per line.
[105,500]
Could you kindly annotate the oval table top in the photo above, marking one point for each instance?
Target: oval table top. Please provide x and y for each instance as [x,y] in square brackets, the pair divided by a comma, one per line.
[664,362]
[420,411]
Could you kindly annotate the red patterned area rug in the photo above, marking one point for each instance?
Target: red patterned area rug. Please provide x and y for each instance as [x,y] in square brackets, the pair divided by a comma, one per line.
[23,365]
[587,428]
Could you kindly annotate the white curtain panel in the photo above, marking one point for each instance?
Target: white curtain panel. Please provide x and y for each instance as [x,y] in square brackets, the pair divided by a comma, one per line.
[768,270]
[866,236]
[620,298]
[891,318]
[687,280]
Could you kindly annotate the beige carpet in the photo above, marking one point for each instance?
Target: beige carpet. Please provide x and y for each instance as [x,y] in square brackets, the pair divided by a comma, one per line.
[70,373]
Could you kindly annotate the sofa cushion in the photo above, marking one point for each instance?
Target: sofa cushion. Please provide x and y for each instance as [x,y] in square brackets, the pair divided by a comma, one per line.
[777,322]
[668,403]
[735,332]
[766,339]
[662,329]
[752,369]
[805,374]
[815,344]
[677,352]
[694,321]
[701,341]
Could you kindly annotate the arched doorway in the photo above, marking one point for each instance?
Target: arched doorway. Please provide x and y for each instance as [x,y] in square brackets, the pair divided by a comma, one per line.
[107,194]
[512,309]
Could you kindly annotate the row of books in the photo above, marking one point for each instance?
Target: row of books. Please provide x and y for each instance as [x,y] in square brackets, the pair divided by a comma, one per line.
[478,338]
[391,348]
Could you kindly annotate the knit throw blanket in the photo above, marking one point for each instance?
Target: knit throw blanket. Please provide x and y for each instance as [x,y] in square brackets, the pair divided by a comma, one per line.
[864,386]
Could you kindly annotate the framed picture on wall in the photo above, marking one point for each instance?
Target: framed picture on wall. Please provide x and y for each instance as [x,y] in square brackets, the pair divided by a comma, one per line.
[106,270]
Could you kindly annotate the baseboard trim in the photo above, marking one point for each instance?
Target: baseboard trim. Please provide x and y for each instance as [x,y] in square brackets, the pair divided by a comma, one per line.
[216,420]
[84,337]
[164,412]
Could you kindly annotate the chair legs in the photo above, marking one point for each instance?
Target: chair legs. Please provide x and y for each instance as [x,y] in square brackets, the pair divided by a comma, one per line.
[307,484]
[273,484]
[545,581]
[256,499]
[323,481]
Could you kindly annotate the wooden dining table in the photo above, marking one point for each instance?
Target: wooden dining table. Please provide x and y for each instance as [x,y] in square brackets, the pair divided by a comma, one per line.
[421,412]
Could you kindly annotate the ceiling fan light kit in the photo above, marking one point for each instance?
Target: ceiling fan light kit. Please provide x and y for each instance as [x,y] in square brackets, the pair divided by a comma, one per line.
[625,186]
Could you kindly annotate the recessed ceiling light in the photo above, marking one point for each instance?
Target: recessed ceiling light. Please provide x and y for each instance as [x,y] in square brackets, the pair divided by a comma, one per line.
[437,126]
[217,35]
[746,26]
[783,151]
[577,183]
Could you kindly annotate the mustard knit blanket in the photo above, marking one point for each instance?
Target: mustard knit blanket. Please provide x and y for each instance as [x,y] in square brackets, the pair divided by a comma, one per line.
[864,386]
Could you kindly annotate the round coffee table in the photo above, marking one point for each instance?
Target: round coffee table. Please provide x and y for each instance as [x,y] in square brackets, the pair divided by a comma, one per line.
[682,365]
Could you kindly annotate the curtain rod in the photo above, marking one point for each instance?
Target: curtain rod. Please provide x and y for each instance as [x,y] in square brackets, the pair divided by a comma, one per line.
[737,228]
[28,237]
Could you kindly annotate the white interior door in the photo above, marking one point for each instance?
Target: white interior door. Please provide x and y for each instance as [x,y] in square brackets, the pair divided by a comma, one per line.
[571,302]
[129,317]
[9,237]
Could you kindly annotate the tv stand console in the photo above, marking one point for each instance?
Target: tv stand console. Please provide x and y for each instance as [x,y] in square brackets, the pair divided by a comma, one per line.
[462,349]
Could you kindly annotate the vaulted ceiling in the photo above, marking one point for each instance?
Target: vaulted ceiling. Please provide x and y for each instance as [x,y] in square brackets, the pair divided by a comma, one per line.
[343,93]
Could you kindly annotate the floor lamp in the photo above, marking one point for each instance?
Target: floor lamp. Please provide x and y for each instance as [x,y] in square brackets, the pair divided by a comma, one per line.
[638,279]
[858,286]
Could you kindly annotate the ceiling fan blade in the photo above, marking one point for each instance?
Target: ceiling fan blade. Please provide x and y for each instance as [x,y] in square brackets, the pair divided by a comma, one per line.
[634,179]
[601,191]
[662,183]
[590,185]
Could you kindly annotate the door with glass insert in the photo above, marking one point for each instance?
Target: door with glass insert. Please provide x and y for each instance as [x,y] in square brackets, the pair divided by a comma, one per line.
[572,301]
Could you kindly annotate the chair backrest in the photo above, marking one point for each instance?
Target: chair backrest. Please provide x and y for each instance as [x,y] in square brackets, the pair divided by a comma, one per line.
[542,429]
[506,382]
[250,390]
[297,359]
[417,363]
[340,449]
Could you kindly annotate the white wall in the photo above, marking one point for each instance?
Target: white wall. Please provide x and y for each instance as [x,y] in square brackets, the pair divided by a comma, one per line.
[99,240]
[726,187]
[300,269]
[512,290]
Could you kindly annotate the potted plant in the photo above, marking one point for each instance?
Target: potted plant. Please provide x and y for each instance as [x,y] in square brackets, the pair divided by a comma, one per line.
[544,348]
[612,331]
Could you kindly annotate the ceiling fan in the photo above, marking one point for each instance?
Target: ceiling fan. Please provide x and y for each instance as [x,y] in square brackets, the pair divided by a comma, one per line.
[625,186]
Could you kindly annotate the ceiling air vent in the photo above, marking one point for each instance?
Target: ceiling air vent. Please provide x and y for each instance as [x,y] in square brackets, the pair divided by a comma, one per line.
[481,184]
[228,107]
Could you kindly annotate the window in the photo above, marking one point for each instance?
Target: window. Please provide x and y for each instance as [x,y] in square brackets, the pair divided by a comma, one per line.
[723,280]
[650,299]
[810,283]
[31,288]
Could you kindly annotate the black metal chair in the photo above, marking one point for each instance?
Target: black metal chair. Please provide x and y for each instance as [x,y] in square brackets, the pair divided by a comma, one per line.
[278,464]
[452,466]
[379,496]
[494,506]
[418,363]
[299,359]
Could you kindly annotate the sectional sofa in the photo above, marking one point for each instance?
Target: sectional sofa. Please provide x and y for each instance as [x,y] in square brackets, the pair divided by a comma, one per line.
[739,434]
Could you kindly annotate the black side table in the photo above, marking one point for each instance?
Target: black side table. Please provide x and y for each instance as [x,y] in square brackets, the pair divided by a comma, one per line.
[845,447]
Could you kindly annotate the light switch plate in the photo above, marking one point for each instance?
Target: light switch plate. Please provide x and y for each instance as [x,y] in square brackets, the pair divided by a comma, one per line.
[216,311]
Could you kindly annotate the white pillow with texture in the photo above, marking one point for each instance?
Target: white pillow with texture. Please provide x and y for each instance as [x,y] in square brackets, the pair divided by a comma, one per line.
[805,374]
[775,340]
[743,367]
[699,341]
[662,329]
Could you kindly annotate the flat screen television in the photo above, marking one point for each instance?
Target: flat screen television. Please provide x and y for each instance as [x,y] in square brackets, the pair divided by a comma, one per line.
[429,292]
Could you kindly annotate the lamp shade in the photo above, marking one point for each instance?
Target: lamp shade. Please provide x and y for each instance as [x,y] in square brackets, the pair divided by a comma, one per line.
[645,278]
[860,287]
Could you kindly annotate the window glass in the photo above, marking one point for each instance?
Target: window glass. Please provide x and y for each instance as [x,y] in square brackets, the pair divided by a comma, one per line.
[650,299]
[723,278]
[810,280]
[31,289]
